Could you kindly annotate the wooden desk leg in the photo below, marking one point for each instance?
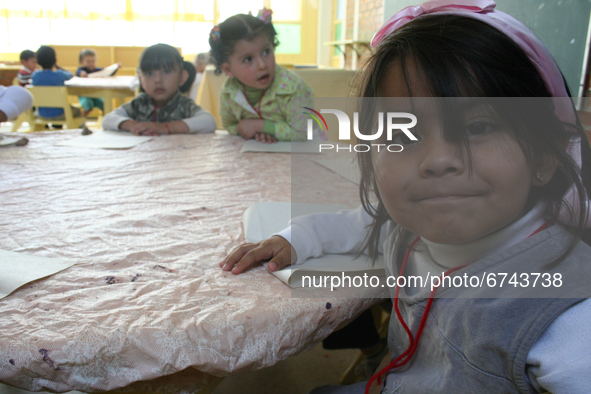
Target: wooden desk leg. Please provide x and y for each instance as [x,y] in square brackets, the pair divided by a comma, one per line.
[107,103]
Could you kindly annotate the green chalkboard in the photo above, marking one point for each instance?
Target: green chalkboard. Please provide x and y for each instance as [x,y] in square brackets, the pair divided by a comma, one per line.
[562,26]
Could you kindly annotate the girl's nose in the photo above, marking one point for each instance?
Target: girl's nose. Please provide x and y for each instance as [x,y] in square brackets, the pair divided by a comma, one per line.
[441,157]
[261,63]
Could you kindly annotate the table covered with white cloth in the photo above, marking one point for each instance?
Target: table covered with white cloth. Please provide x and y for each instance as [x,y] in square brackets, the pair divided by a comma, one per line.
[146,306]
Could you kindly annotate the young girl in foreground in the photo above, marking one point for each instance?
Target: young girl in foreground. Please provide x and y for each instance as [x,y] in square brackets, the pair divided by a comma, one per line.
[162,109]
[482,191]
[261,99]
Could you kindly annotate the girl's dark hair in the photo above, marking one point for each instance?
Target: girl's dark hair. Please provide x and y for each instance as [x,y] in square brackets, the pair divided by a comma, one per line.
[464,57]
[184,88]
[192,74]
[160,57]
[234,29]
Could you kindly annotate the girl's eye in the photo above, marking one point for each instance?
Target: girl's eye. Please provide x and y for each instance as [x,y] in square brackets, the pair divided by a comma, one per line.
[148,73]
[479,128]
[402,139]
[247,59]
[266,51]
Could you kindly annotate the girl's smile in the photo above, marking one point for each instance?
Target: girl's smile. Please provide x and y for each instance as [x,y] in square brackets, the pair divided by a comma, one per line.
[438,189]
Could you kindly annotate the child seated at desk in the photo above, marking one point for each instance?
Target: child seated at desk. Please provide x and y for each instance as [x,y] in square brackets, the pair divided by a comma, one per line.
[87,60]
[161,108]
[261,99]
[29,66]
[48,77]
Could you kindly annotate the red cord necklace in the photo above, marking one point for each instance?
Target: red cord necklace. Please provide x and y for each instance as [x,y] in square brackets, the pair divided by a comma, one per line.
[414,340]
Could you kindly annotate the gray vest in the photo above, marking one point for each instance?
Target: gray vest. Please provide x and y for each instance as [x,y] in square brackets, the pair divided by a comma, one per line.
[477,340]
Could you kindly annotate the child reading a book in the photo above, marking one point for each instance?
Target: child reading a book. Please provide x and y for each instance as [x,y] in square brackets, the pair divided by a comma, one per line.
[51,75]
[161,108]
[87,61]
[261,99]
[29,66]
[492,180]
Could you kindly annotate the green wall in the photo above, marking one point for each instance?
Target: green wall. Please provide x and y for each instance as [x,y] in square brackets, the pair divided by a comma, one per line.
[562,26]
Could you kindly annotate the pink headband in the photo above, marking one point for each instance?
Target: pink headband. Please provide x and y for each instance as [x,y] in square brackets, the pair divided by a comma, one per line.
[538,54]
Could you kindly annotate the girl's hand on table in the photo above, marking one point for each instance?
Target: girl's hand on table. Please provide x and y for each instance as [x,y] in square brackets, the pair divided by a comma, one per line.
[248,128]
[276,249]
[265,138]
[149,128]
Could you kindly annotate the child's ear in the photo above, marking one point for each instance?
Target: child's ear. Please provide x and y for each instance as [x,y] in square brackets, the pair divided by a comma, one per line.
[226,69]
[544,171]
[184,77]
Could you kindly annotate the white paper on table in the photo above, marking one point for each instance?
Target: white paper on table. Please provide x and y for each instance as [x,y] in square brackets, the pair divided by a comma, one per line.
[344,167]
[105,72]
[264,219]
[312,146]
[106,139]
[8,141]
[18,269]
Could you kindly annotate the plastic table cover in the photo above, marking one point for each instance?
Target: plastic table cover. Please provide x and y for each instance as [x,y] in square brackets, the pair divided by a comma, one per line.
[146,306]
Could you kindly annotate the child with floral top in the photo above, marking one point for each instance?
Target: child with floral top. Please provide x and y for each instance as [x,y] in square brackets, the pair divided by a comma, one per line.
[261,99]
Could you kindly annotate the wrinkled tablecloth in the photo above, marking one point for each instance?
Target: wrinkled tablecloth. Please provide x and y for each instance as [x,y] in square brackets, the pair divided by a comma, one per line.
[146,301]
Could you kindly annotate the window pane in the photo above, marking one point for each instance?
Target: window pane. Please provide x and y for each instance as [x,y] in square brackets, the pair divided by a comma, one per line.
[113,33]
[286,10]
[192,37]
[232,7]
[102,7]
[289,38]
[54,5]
[4,44]
[23,4]
[341,9]
[143,7]
[150,33]
[70,31]
[197,7]
[28,32]
[337,37]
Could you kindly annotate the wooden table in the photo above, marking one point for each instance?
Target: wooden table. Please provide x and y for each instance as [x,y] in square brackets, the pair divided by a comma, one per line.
[7,74]
[109,89]
[146,306]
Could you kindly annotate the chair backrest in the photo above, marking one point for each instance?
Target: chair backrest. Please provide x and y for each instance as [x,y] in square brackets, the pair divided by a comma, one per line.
[49,96]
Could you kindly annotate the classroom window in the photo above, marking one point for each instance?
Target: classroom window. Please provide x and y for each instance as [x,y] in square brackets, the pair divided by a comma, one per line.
[27,24]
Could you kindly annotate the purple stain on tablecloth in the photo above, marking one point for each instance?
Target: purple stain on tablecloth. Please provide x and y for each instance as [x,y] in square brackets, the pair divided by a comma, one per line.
[47,359]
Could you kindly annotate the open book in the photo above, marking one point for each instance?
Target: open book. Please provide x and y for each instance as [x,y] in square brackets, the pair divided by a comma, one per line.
[264,219]
[105,72]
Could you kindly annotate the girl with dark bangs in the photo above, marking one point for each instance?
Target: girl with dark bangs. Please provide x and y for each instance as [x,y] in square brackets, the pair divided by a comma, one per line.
[161,108]
[495,186]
